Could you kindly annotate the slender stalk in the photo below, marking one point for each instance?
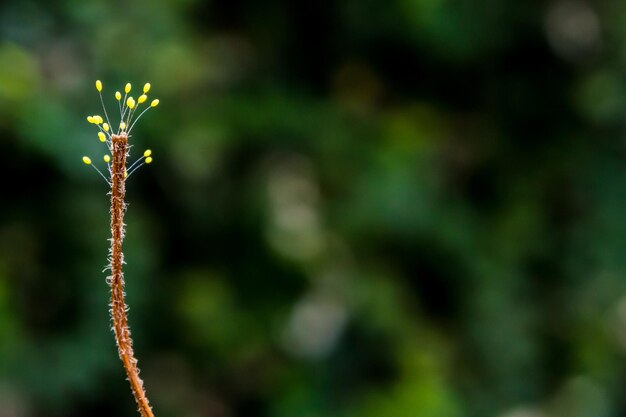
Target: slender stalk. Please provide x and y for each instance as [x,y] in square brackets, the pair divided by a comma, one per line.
[116,256]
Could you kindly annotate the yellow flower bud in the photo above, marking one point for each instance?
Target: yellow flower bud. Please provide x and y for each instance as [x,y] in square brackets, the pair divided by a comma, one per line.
[118,95]
[127,88]
[142,98]
[98,120]
[122,126]
[90,119]
[155,102]
[130,102]
[102,137]
[98,85]
[105,126]
[149,160]
[146,87]
[107,158]
[86,160]
[147,153]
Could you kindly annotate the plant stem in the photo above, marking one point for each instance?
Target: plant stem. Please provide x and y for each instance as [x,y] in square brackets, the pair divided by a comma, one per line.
[116,257]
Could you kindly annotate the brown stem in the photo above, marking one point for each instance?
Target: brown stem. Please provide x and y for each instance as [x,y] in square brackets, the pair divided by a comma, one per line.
[116,280]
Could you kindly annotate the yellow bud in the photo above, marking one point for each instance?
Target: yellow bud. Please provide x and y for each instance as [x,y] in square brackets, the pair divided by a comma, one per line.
[127,88]
[149,160]
[90,119]
[98,120]
[122,126]
[147,153]
[102,137]
[146,87]
[142,98]
[105,126]
[125,174]
[107,158]
[155,102]
[98,85]
[130,103]
[86,160]
[118,95]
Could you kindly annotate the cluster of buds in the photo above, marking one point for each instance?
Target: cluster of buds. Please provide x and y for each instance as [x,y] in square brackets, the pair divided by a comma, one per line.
[107,134]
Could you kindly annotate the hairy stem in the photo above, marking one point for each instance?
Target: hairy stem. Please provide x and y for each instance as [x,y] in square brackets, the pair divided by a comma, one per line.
[116,280]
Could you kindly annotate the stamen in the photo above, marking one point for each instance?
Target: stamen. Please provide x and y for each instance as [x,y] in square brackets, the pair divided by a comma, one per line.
[99,88]
[118,97]
[126,91]
[154,103]
[87,161]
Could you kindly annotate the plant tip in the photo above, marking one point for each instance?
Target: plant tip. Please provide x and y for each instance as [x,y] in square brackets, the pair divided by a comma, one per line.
[118,170]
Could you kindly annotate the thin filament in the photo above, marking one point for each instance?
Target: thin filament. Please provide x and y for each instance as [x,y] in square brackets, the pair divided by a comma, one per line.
[119,104]
[137,119]
[136,162]
[104,108]
[101,174]
[135,169]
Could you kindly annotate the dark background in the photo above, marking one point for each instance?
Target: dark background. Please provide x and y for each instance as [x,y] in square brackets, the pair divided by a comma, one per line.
[357,208]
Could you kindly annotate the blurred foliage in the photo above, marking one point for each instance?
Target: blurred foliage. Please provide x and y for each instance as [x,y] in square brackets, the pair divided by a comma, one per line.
[409,208]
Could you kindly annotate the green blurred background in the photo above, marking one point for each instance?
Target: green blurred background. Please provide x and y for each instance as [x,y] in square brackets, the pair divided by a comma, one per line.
[358,208]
